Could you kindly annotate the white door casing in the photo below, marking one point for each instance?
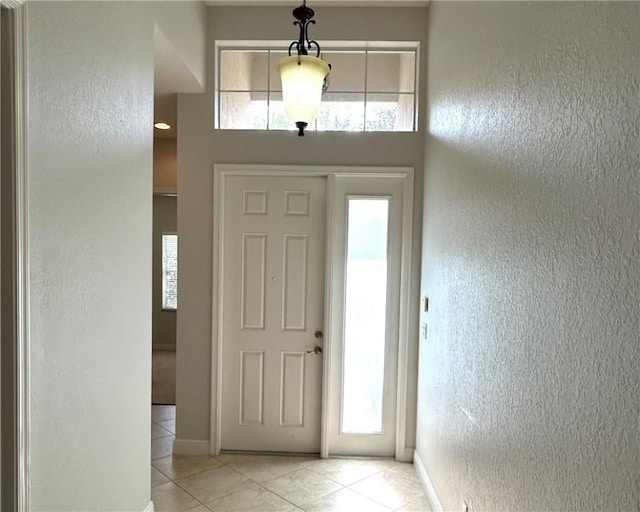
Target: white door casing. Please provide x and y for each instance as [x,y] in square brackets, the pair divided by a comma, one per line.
[333,174]
[273,296]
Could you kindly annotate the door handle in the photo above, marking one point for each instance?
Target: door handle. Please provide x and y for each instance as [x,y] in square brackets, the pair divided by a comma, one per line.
[318,334]
[315,350]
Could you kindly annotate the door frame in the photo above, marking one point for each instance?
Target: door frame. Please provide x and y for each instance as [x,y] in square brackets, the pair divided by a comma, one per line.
[220,172]
[14,489]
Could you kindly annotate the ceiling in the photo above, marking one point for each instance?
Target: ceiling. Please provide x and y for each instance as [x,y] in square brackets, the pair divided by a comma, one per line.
[165,110]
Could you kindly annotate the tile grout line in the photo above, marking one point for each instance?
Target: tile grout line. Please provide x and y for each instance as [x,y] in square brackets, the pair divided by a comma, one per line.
[352,483]
[194,497]
[372,499]
[304,465]
[276,494]
[271,491]
[376,501]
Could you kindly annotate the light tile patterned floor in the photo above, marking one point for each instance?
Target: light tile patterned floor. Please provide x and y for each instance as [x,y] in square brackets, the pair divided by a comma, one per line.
[263,483]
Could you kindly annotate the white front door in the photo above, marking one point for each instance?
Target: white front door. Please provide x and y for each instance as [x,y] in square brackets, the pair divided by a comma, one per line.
[273,230]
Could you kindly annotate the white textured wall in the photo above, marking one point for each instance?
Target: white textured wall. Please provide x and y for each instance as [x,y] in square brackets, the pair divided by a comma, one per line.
[184,24]
[528,390]
[199,146]
[90,94]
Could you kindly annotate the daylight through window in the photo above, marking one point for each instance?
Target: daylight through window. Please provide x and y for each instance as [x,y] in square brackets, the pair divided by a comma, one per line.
[371,90]
[169,271]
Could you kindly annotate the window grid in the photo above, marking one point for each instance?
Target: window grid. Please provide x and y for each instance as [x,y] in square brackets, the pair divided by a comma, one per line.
[366,93]
[366,83]
[169,271]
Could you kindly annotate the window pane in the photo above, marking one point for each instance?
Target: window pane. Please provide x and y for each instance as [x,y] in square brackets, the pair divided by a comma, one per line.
[391,72]
[278,120]
[169,271]
[243,70]
[365,315]
[243,110]
[341,112]
[347,71]
[390,112]
[274,77]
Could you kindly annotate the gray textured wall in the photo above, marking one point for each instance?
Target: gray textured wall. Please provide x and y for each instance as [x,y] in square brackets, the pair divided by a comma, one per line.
[528,389]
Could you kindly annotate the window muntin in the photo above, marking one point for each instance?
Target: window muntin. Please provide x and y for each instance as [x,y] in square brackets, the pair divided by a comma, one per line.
[169,271]
[371,88]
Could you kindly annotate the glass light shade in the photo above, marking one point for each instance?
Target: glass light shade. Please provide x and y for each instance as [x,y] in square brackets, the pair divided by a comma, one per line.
[302,77]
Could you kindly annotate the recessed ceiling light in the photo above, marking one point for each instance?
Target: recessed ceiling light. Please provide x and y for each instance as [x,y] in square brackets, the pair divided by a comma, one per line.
[162,126]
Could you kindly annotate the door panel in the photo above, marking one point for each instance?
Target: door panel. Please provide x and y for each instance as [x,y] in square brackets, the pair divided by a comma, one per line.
[367,251]
[273,295]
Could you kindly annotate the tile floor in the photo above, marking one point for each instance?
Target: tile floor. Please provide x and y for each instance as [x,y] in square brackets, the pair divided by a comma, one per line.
[260,483]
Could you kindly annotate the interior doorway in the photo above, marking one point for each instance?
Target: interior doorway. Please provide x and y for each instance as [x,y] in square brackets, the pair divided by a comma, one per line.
[281,383]
[165,274]
[165,282]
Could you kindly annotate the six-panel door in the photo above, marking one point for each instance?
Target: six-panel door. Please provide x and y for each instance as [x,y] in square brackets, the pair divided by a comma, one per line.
[273,297]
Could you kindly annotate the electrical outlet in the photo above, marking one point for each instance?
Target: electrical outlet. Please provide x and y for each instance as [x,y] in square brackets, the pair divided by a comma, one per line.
[465,507]
[424,330]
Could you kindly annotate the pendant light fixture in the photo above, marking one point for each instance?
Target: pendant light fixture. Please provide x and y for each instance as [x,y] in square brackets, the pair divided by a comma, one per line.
[302,75]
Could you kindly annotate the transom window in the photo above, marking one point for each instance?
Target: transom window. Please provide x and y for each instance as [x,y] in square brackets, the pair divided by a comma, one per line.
[372,87]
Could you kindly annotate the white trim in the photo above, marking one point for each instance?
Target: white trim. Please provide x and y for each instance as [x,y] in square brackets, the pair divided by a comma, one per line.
[434,502]
[191,447]
[221,170]
[328,321]
[149,507]
[403,321]
[215,411]
[165,191]
[22,257]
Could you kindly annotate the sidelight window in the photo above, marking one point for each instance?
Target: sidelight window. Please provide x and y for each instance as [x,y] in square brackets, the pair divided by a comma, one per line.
[365,315]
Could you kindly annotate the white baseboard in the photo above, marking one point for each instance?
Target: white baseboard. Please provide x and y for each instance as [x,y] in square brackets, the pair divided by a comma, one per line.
[434,502]
[165,191]
[191,447]
[149,507]
[168,347]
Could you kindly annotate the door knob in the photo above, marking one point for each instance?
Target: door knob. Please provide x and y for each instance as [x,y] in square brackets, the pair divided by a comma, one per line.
[318,334]
[315,350]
